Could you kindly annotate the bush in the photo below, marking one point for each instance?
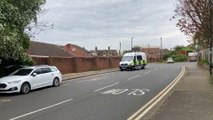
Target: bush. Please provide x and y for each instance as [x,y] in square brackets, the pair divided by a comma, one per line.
[179,58]
[23,59]
[204,61]
[26,60]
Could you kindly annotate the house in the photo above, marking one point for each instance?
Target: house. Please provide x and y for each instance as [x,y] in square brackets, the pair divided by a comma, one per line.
[105,52]
[46,49]
[153,53]
[75,50]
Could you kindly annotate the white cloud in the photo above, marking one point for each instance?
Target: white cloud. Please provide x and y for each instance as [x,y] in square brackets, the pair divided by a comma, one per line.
[103,23]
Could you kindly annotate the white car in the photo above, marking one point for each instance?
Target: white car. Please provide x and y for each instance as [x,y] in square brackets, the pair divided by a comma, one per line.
[170,60]
[29,78]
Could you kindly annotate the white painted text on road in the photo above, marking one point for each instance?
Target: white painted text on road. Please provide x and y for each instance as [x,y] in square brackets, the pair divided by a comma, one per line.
[131,92]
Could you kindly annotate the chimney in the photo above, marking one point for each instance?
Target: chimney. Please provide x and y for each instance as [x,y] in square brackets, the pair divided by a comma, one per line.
[108,47]
[96,48]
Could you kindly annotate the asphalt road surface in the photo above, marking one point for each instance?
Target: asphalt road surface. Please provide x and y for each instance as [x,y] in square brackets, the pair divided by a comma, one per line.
[109,96]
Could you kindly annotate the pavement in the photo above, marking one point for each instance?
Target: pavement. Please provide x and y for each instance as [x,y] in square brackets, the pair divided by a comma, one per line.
[191,100]
[88,73]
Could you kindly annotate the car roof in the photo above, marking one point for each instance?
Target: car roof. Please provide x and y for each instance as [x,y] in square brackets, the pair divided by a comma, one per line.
[37,66]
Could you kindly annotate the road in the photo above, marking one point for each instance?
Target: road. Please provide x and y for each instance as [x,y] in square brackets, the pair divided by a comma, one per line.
[109,96]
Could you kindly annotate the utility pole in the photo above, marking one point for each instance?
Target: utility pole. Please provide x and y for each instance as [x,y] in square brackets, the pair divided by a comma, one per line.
[142,48]
[120,49]
[210,37]
[149,55]
[131,43]
[161,50]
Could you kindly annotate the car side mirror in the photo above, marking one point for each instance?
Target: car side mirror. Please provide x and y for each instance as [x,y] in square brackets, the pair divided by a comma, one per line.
[34,74]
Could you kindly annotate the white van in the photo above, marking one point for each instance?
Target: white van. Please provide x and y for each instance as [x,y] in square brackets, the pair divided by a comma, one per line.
[133,60]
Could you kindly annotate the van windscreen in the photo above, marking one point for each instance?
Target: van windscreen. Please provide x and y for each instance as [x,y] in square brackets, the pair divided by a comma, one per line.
[127,58]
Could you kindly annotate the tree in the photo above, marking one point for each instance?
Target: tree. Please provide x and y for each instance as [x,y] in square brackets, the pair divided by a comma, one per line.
[136,49]
[193,19]
[177,53]
[179,48]
[15,18]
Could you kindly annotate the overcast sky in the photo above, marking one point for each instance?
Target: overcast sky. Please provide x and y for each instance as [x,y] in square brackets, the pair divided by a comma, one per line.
[102,23]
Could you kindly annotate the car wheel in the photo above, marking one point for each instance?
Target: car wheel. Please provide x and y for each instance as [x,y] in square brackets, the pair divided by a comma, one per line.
[56,82]
[25,88]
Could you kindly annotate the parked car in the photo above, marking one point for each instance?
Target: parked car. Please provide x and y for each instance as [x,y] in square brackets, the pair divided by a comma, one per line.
[26,79]
[192,59]
[170,60]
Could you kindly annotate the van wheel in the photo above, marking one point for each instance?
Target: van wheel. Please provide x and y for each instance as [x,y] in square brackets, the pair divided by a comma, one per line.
[133,68]
[143,66]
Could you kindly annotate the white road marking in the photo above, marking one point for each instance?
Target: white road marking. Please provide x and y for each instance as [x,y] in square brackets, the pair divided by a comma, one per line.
[93,79]
[156,69]
[5,100]
[107,86]
[132,92]
[147,72]
[115,91]
[42,109]
[133,77]
[138,92]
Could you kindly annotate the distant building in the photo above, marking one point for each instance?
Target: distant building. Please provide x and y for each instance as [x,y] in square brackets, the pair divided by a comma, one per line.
[107,52]
[45,49]
[164,51]
[136,49]
[76,50]
[153,54]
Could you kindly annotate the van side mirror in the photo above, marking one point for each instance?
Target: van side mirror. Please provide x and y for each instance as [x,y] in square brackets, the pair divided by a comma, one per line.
[34,74]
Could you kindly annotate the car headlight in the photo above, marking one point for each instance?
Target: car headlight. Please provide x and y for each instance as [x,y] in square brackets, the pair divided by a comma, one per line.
[14,82]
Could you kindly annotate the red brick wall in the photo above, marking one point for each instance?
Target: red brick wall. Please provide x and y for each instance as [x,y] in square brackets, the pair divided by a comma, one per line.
[63,64]
[79,64]
[101,63]
[82,64]
[115,61]
[41,60]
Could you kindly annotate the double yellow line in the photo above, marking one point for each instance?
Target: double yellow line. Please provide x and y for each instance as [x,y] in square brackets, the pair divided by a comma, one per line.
[143,111]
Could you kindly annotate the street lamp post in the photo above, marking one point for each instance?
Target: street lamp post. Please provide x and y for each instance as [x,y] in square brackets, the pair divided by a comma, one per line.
[119,48]
[161,50]
[131,43]
[210,37]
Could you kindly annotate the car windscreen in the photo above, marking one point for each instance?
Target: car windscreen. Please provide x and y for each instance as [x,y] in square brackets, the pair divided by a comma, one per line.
[22,72]
[53,69]
[127,58]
